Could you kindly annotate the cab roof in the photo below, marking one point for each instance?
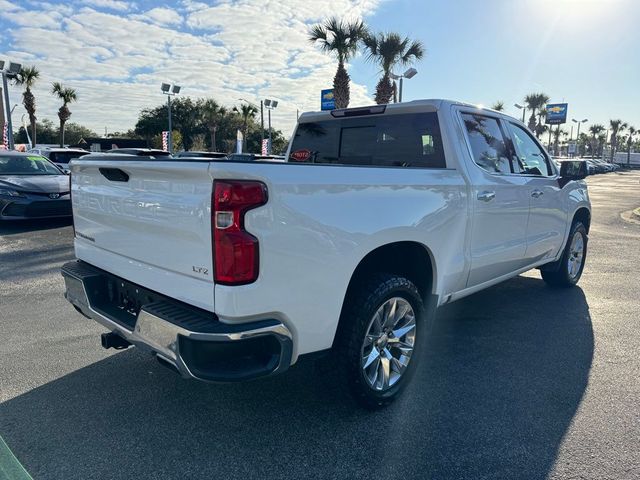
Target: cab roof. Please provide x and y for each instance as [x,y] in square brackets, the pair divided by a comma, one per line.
[414,106]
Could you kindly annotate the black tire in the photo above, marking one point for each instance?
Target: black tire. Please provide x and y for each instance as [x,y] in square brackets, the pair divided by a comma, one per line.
[357,317]
[560,276]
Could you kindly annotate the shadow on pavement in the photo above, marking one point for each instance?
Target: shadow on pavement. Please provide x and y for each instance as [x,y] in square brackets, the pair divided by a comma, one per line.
[504,375]
[12,227]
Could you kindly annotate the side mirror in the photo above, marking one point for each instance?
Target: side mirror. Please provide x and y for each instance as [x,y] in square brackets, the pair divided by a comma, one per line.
[572,170]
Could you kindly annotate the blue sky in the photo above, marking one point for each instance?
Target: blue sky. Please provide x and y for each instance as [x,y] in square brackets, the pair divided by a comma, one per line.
[116,52]
[584,52]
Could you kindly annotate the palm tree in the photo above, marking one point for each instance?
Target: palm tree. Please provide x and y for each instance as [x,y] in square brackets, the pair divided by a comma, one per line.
[616,126]
[212,114]
[67,95]
[389,50]
[557,134]
[582,142]
[632,132]
[498,106]
[247,112]
[595,131]
[340,39]
[535,102]
[26,78]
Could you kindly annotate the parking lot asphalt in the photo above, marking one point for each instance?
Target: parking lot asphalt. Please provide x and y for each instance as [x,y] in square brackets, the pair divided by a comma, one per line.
[520,381]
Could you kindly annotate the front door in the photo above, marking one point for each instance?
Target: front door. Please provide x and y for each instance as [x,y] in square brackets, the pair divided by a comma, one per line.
[547,211]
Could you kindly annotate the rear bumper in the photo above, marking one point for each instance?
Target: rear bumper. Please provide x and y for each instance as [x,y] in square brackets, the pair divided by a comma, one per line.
[191,340]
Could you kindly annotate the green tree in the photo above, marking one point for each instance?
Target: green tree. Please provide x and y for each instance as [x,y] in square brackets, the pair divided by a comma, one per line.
[389,50]
[498,106]
[247,113]
[46,131]
[74,133]
[558,135]
[67,95]
[536,103]
[341,40]
[212,116]
[582,142]
[632,132]
[186,119]
[595,131]
[26,78]
[616,126]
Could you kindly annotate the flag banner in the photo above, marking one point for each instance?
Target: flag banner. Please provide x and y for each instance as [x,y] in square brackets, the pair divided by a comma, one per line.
[265,146]
[165,141]
[5,136]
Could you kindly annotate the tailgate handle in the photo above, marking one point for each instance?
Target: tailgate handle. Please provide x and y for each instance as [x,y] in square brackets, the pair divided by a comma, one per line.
[114,174]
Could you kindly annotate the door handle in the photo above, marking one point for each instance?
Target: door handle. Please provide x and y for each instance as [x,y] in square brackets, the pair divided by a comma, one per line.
[486,196]
[537,193]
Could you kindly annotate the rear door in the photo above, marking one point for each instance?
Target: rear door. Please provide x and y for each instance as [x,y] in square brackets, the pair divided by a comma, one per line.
[547,204]
[500,201]
[148,222]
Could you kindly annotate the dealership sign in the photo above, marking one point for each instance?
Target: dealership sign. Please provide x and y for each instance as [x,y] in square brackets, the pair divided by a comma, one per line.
[557,113]
[327,102]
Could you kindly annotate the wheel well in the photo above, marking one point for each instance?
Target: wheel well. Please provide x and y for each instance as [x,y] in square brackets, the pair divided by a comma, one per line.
[583,215]
[411,260]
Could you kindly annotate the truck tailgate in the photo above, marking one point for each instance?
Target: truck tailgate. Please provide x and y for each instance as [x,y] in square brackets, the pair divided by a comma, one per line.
[148,222]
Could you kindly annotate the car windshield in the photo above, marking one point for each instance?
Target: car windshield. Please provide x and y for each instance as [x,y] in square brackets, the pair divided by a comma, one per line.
[31,165]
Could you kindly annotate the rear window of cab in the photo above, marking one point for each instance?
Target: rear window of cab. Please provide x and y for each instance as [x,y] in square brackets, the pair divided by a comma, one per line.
[402,140]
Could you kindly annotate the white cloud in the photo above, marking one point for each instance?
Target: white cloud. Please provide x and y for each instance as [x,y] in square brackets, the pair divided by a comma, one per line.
[6,6]
[116,61]
[161,16]
[110,4]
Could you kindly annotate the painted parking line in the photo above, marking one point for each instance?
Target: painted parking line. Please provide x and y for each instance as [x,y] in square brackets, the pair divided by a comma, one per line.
[10,467]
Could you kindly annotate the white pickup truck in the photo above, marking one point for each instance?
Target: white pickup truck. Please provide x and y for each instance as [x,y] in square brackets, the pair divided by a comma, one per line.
[228,270]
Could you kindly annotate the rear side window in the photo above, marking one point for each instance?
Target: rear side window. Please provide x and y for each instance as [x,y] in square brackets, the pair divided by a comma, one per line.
[487,143]
[405,140]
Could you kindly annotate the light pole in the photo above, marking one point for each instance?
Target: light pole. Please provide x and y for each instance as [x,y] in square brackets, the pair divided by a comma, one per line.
[169,90]
[11,72]
[579,122]
[410,73]
[270,105]
[261,117]
[521,107]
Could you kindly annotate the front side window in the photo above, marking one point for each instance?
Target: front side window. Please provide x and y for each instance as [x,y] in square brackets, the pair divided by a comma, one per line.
[487,142]
[403,140]
[531,158]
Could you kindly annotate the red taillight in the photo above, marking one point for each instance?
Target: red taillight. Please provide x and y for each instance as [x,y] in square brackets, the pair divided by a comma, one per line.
[235,251]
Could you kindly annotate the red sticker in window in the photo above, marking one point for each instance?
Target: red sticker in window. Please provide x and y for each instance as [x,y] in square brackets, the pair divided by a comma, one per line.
[300,155]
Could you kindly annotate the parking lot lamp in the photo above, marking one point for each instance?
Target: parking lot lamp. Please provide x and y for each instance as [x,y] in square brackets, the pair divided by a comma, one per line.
[579,122]
[170,90]
[270,105]
[410,73]
[9,73]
